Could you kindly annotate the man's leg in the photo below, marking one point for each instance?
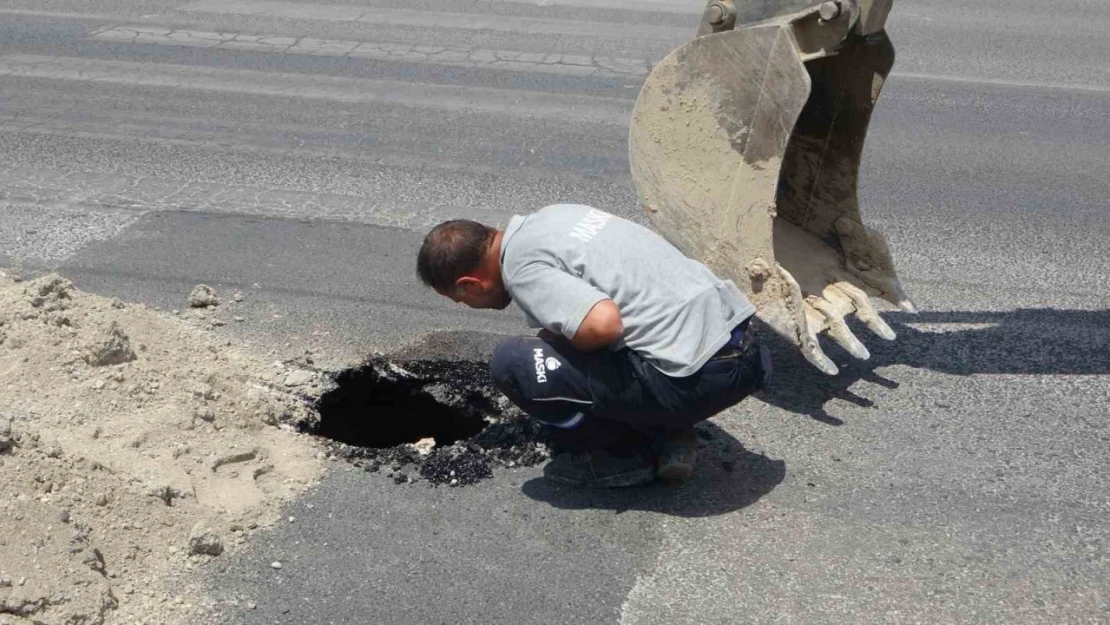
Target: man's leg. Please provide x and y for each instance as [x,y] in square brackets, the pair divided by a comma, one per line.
[617,402]
[558,385]
[676,404]
[724,381]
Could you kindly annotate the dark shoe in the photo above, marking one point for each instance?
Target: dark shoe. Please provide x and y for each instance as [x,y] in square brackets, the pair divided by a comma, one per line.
[679,454]
[597,469]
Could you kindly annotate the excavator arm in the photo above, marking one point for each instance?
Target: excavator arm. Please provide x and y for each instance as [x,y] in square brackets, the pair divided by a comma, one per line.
[745,147]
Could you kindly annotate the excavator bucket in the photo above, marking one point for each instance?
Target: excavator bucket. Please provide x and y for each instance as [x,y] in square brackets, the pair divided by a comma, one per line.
[745,148]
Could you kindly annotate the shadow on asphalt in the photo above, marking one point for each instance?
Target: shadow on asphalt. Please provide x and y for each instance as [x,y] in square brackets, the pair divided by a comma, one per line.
[1022,342]
[728,478]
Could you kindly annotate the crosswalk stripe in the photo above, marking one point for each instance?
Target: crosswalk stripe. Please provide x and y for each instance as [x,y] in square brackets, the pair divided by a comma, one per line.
[520,103]
[510,60]
[433,19]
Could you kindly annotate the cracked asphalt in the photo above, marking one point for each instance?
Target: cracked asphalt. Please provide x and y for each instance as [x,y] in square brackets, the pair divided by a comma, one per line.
[297,151]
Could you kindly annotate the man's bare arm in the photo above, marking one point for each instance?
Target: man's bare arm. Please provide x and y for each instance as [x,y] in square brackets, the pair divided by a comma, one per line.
[601,327]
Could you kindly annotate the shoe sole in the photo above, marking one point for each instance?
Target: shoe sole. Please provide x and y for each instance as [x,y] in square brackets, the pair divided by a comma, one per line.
[675,471]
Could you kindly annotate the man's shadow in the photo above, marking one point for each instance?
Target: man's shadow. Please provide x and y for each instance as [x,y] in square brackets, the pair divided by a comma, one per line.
[728,478]
[1021,342]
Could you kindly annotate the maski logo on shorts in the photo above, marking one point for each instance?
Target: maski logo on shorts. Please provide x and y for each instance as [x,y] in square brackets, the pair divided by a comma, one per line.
[541,368]
[552,364]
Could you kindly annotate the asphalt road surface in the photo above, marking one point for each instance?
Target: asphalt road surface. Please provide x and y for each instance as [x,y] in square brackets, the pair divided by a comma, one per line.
[298,150]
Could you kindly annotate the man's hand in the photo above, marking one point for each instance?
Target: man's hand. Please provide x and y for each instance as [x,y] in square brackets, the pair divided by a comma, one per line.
[601,327]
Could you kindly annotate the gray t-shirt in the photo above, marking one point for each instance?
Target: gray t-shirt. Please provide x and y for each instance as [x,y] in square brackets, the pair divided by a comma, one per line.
[560,261]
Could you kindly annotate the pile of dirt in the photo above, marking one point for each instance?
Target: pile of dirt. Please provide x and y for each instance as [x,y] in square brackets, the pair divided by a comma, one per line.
[134,447]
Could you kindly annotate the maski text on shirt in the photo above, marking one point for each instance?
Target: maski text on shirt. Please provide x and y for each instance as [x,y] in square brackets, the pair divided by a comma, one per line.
[590,225]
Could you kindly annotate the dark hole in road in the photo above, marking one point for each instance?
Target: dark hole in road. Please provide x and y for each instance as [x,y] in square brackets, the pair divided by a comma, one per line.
[384,405]
[375,411]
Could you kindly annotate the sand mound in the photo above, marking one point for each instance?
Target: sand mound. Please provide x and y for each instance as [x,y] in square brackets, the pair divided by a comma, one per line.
[133,448]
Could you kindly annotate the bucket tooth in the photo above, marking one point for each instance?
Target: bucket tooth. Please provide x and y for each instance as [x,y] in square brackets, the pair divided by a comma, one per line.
[833,305]
[802,320]
[865,312]
[811,349]
[905,303]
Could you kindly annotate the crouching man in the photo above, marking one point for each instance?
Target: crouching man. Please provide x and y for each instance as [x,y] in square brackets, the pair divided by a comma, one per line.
[637,341]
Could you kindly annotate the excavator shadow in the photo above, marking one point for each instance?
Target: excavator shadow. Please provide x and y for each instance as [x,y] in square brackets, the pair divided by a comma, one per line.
[1041,341]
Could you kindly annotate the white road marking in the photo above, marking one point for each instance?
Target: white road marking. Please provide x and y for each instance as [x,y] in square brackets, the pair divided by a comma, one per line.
[510,60]
[1002,83]
[526,104]
[432,19]
[684,7]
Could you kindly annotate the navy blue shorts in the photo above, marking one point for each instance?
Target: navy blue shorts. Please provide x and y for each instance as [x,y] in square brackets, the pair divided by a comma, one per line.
[615,400]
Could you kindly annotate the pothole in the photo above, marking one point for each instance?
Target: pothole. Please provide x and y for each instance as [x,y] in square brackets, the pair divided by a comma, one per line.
[376,413]
[382,407]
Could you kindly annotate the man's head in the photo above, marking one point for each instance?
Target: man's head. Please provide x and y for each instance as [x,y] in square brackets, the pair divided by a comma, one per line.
[460,259]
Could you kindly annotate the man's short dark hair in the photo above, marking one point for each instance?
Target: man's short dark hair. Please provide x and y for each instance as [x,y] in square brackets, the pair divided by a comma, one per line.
[452,250]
